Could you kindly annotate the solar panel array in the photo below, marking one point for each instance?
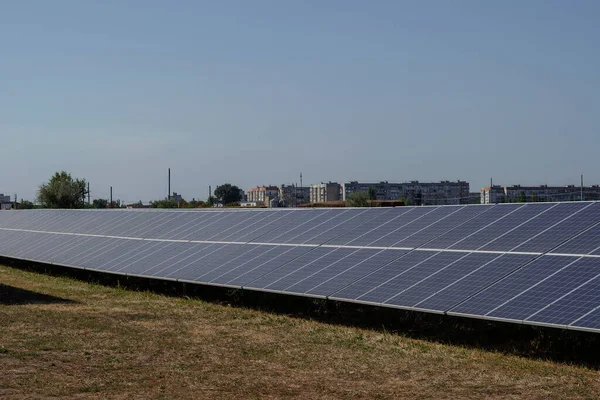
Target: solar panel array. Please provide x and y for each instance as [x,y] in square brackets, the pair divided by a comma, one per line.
[534,263]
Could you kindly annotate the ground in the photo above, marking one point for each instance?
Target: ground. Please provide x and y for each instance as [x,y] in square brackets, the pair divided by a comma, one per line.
[62,337]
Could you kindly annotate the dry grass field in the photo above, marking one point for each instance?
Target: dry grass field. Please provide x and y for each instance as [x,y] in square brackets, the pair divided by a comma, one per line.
[63,338]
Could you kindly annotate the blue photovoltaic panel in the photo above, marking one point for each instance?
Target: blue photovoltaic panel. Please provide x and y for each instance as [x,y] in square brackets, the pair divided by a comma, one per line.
[139,249]
[506,289]
[551,288]
[307,219]
[106,253]
[382,275]
[249,262]
[440,278]
[326,270]
[409,277]
[535,226]
[140,265]
[501,227]
[272,221]
[401,220]
[441,226]
[471,283]
[312,233]
[204,261]
[300,268]
[589,321]
[574,305]
[250,222]
[584,243]
[257,249]
[255,270]
[415,226]
[197,222]
[354,223]
[218,269]
[564,230]
[379,217]
[52,255]
[187,257]
[144,258]
[334,278]
[211,263]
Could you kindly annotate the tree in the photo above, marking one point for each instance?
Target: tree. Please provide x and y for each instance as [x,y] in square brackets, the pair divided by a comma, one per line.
[372,194]
[228,193]
[100,203]
[521,198]
[358,199]
[164,204]
[533,197]
[25,205]
[62,191]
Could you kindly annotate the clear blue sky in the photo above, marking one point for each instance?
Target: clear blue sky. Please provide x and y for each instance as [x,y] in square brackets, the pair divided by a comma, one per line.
[255,92]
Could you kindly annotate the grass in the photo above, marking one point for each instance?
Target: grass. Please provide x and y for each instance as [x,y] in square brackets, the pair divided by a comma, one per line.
[65,338]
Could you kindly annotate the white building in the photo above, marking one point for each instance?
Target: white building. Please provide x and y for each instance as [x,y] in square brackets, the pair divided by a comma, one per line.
[324,192]
[263,194]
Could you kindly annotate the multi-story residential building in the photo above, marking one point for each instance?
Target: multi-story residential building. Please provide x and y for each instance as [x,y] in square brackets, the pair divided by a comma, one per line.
[292,195]
[437,193]
[5,202]
[492,194]
[414,192]
[380,190]
[518,193]
[262,194]
[323,192]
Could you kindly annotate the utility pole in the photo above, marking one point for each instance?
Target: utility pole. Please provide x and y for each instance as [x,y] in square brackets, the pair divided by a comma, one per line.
[15,201]
[581,187]
[111,202]
[301,188]
[169,193]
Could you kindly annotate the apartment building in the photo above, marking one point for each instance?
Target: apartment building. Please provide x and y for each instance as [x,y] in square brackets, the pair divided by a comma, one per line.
[292,195]
[323,192]
[262,194]
[414,192]
[518,193]
[5,202]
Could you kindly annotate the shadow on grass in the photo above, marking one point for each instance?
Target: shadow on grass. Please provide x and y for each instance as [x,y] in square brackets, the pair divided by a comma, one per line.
[12,296]
[573,347]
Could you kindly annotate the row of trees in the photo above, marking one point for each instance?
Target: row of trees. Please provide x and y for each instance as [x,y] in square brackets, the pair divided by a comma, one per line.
[63,191]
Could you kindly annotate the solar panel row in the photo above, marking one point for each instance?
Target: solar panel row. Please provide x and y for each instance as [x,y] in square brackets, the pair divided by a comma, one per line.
[533,263]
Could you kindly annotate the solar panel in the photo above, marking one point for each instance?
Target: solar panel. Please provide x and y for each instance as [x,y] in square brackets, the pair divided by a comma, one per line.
[513,285]
[536,263]
[502,226]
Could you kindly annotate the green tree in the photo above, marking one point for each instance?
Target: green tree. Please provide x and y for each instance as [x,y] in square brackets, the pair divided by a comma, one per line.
[372,194]
[100,203]
[164,204]
[196,204]
[533,197]
[25,205]
[62,191]
[521,198]
[358,199]
[228,193]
